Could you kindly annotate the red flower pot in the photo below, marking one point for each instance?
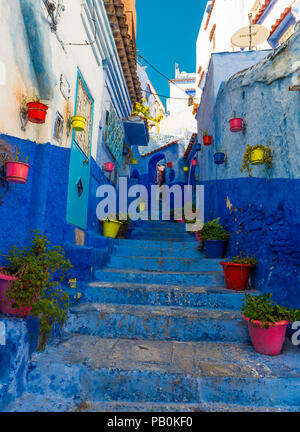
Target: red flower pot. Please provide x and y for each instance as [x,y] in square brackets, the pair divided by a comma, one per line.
[194,162]
[169,164]
[236,124]
[267,341]
[236,275]
[16,172]
[5,303]
[37,112]
[109,166]
[207,140]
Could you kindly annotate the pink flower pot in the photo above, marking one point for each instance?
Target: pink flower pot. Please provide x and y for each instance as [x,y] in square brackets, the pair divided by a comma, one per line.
[5,303]
[267,341]
[16,172]
[236,124]
[109,166]
[198,236]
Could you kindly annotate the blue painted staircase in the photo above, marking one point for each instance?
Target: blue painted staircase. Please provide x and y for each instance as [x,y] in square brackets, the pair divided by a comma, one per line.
[157,331]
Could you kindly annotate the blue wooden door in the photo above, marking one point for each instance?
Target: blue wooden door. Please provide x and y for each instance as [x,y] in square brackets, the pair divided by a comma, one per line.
[79,170]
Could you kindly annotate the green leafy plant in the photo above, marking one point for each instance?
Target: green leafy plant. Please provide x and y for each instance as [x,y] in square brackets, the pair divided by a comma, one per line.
[262,308]
[142,108]
[267,158]
[242,258]
[204,132]
[19,157]
[213,230]
[39,269]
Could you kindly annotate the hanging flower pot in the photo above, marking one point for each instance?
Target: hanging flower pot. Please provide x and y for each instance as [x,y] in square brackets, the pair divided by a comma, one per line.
[109,166]
[257,157]
[169,164]
[37,112]
[236,124]
[219,158]
[207,140]
[16,172]
[194,162]
[111,228]
[78,123]
[134,161]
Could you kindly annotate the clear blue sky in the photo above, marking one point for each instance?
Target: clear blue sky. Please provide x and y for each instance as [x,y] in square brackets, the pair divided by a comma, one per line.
[167,31]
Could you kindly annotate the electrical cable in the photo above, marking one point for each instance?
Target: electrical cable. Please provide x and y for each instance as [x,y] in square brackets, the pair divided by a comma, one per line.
[167,97]
[163,75]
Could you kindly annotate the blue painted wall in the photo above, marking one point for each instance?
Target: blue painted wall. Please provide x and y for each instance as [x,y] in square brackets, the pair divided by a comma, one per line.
[265,216]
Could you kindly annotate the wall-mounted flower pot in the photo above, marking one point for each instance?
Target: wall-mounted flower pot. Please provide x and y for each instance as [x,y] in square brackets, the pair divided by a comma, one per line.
[169,164]
[236,275]
[268,341]
[37,112]
[5,303]
[78,123]
[16,172]
[207,140]
[257,157]
[219,158]
[109,166]
[236,124]
[185,169]
[111,228]
[198,147]
[134,161]
[215,248]
[194,162]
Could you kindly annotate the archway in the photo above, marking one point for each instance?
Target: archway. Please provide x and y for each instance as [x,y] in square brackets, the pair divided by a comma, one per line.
[158,158]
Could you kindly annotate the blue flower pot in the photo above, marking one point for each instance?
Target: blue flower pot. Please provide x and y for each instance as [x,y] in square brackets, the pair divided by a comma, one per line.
[215,248]
[219,158]
[198,147]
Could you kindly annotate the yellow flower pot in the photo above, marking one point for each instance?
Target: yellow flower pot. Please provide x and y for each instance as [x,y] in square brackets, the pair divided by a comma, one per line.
[78,123]
[134,161]
[185,169]
[257,157]
[111,228]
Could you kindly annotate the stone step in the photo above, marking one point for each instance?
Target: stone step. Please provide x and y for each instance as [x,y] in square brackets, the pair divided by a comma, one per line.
[212,278]
[184,238]
[34,402]
[164,263]
[157,322]
[186,252]
[160,295]
[113,373]
[141,243]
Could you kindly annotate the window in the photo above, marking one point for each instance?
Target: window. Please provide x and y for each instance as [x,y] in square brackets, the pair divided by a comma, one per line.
[84,108]
[59,128]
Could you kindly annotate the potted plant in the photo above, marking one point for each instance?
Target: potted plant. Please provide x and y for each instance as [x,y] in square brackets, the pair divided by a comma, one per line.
[109,166]
[78,123]
[37,112]
[124,228]
[111,226]
[30,284]
[219,157]
[237,271]
[267,322]
[236,123]
[16,171]
[256,155]
[206,137]
[215,238]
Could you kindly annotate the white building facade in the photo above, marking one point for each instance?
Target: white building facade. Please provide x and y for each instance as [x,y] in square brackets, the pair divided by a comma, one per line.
[222,18]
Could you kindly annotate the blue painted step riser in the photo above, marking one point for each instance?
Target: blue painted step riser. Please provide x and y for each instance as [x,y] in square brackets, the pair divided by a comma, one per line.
[203,279]
[158,327]
[137,386]
[141,296]
[192,253]
[164,264]
[140,243]
[184,239]
[107,385]
[252,391]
